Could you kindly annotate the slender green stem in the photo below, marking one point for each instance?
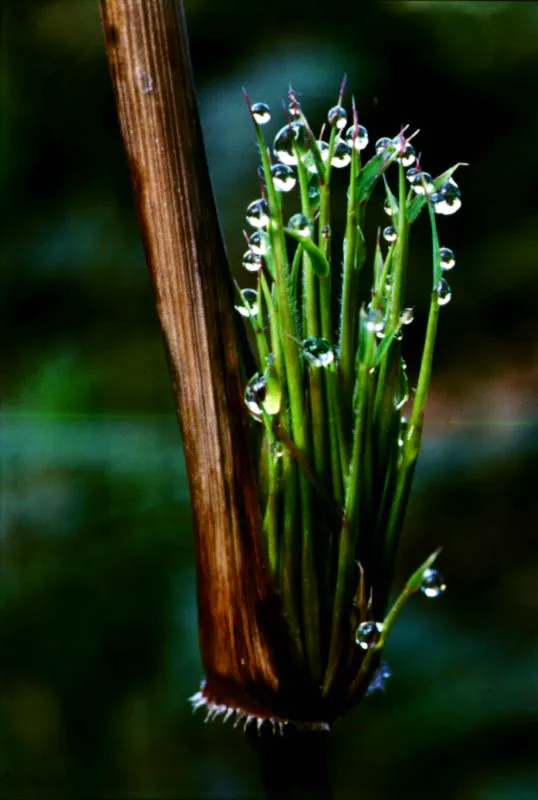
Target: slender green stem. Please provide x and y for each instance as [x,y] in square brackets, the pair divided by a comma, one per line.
[348,316]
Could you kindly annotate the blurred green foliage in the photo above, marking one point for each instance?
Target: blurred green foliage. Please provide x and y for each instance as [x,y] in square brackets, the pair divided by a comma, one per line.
[98,643]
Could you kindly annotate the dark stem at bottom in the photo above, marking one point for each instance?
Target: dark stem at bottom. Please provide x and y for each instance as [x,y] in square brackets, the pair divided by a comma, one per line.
[294,765]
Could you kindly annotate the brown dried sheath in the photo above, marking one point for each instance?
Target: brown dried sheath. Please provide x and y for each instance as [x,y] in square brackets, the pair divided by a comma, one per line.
[243,635]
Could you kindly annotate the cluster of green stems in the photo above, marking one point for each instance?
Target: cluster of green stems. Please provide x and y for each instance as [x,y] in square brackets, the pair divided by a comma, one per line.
[335,497]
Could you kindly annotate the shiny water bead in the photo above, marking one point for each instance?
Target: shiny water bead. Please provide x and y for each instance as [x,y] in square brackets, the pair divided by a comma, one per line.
[301,224]
[405,152]
[259,243]
[432,583]
[249,306]
[319,352]
[404,424]
[277,449]
[258,396]
[367,634]
[294,108]
[387,208]
[288,139]
[424,184]
[407,316]
[448,199]
[337,117]
[446,257]
[314,194]
[261,113]
[384,144]
[402,392]
[359,141]
[255,392]
[252,261]
[413,175]
[375,321]
[326,232]
[443,292]
[324,150]
[258,214]
[389,234]
[341,155]
[284,179]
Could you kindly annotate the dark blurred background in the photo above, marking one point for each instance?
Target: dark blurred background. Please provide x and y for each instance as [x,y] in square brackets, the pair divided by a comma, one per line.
[98,641]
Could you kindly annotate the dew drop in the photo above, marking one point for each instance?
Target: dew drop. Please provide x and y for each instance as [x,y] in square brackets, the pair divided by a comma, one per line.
[384,144]
[407,316]
[255,394]
[261,113]
[289,138]
[284,179]
[375,321]
[249,308]
[301,224]
[405,152]
[318,351]
[341,155]
[432,583]
[258,396]
[443,292]
[366,634]
[258,214]
[294,109]
[448,199]
[402,392]
[337,117]
[277,450]
[252,262]
[324,150]
[424,185]
[446,257]
[404,424]
[387,208]
[326,232]
[259,243]
[389,234]
[360,141]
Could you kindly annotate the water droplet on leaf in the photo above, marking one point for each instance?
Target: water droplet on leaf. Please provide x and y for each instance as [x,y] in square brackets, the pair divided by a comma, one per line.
[326,232]
[389,234]
[277,449]
[337,117]
[259,243]
[301,224]
[448,199]
[258,396]
[341,155]
[284,179]
[375,321]
[407,316]
[387,208]
[318,351]
[405,152]
[432,583]
[289,138]
[360,141]
[384,144]
[444,293]
[261,113]
[250,306]
[258,214]
[367,633]
[446,257]
[252,261]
